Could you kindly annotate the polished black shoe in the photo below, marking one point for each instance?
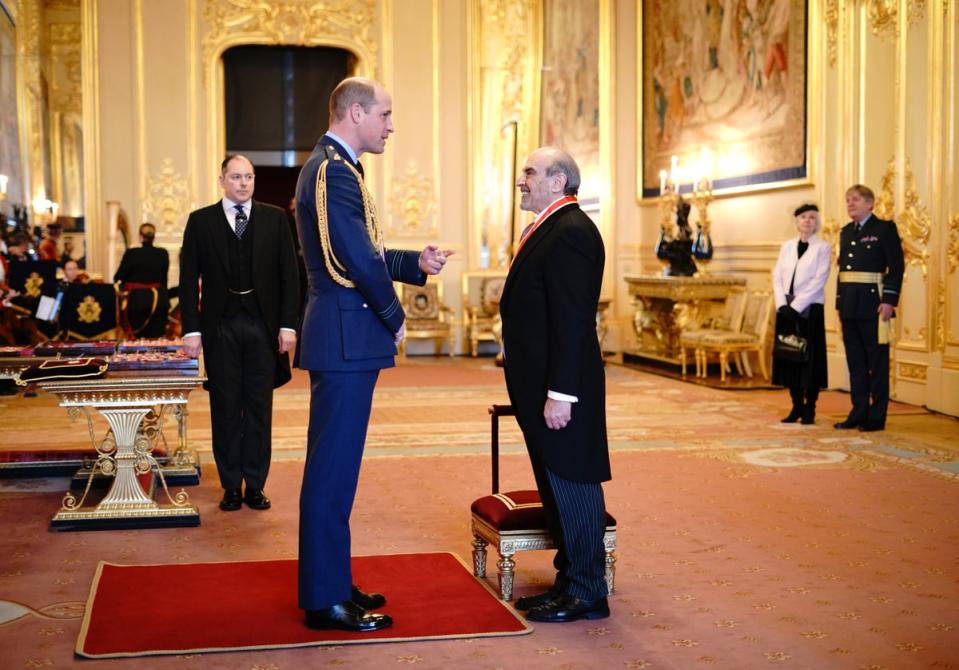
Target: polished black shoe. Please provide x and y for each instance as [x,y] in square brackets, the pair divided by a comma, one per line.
[256,499]
[871,426]
[848,424]
[567,608]
[793,416]
[347,616]
[232,500]
[537,600]
[808,416]
[368,601]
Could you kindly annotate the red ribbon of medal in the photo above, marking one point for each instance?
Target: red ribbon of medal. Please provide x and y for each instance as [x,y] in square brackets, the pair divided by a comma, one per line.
[545,214]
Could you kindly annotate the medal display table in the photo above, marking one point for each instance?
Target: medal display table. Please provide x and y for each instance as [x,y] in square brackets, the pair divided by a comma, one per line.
[134,408]
[665,307]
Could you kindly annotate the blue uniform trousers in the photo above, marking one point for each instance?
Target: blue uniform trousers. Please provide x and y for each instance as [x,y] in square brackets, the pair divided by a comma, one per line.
[868,363]
[340,404]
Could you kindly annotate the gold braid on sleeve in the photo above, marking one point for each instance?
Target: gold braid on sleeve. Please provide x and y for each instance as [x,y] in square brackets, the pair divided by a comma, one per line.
[336,269]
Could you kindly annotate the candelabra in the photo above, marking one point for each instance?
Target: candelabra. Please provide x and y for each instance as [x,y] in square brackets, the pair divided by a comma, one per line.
[44,211]
[703,244]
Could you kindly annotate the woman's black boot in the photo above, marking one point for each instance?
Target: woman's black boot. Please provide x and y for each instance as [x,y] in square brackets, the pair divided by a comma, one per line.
[793,416]
[809,407]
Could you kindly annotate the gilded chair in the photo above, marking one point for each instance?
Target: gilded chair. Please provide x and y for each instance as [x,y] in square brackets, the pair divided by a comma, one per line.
[427,318]
[481,293]
[751,337]
[729,321]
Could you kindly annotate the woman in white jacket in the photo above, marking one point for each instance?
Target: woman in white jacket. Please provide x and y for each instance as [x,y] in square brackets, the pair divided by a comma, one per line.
[799,279]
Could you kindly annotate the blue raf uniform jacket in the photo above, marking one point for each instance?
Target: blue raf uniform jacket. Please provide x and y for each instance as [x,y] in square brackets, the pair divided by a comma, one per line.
[347,329]
[875,248]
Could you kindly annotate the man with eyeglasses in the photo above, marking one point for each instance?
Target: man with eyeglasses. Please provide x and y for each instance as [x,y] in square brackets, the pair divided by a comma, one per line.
[238,253]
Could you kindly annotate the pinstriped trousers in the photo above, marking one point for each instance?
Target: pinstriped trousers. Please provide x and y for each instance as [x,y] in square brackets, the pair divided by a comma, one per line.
[576,518]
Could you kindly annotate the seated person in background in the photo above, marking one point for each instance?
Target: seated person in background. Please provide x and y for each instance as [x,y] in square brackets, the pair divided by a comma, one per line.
[143,273]
[72,273]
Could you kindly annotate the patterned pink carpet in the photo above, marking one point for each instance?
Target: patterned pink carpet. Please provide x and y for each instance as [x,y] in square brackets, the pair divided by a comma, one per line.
[743,543]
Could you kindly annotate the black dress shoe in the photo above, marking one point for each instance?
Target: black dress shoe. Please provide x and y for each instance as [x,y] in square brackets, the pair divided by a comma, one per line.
[567,608]
[847,424]
[347,616]
[793,416]
[256,499]
[368,601]
[232,500]
[537,600]
[870,426]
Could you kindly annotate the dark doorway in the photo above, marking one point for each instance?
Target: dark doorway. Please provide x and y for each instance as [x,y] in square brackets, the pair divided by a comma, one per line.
[276,108]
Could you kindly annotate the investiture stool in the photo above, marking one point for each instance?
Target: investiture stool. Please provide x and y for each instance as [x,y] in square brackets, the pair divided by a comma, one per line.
[871,266]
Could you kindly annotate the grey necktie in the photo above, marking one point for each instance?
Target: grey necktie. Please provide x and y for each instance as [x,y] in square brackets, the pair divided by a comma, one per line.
[241,221]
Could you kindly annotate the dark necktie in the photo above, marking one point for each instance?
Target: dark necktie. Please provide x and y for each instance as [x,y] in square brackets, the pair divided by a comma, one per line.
[240,221]
[359,168]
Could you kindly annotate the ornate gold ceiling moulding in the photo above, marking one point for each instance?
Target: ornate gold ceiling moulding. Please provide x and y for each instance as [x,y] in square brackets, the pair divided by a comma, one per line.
[831,16]
[346,23]
[414,204]
[884,15]
[167,198]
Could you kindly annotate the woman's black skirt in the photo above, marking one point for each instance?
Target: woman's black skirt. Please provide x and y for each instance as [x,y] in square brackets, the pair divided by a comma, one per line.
[812,373]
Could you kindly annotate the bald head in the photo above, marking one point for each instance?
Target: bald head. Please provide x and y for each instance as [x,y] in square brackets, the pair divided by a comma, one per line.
[548,174]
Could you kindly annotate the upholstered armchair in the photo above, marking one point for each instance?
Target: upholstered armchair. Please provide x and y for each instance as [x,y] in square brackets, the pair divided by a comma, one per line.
[751,337]
[730,321]
[427,318]
[481,293]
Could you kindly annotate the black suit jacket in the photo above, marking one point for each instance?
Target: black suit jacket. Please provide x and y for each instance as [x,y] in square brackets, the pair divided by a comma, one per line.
[145,265]
[548,306]
[205,257]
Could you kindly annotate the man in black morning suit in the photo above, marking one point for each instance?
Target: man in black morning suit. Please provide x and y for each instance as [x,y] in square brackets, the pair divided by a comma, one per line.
[870,277]
[143,277]
[555,378]
[242,252]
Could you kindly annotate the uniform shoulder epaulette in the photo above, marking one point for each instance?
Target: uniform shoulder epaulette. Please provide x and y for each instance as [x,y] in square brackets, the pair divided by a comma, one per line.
[331,153]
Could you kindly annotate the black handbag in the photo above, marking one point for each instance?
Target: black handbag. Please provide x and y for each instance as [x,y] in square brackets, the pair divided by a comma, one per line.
[790,348]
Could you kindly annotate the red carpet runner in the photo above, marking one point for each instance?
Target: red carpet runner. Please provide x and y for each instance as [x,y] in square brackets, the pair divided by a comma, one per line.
[140,610]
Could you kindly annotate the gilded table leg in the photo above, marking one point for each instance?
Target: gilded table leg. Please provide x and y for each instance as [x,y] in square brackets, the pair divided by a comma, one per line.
[126,492]
[610,571]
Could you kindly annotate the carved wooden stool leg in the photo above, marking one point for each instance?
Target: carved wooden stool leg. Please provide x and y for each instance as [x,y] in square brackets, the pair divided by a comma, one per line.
[506,564]
[610,572]
[682,359]
[479,556]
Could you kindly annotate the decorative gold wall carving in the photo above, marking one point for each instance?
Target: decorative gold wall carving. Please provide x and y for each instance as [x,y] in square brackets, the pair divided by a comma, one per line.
[915,224]
[885,206]
[829,231]
[915,371]
[303,22]
[913,221]
[952,251]
[168,198]
[884,15]
[413,202]
[941,315]
[831,17]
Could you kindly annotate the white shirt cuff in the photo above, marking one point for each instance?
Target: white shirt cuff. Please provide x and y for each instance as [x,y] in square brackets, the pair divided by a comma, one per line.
[185,335]
[289,330]
[555,395]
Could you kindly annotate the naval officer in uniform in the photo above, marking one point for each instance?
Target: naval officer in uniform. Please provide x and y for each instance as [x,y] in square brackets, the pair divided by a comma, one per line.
[870,278]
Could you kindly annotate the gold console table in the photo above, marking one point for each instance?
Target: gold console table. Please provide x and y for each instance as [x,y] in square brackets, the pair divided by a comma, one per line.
[667,306]
[129,404]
